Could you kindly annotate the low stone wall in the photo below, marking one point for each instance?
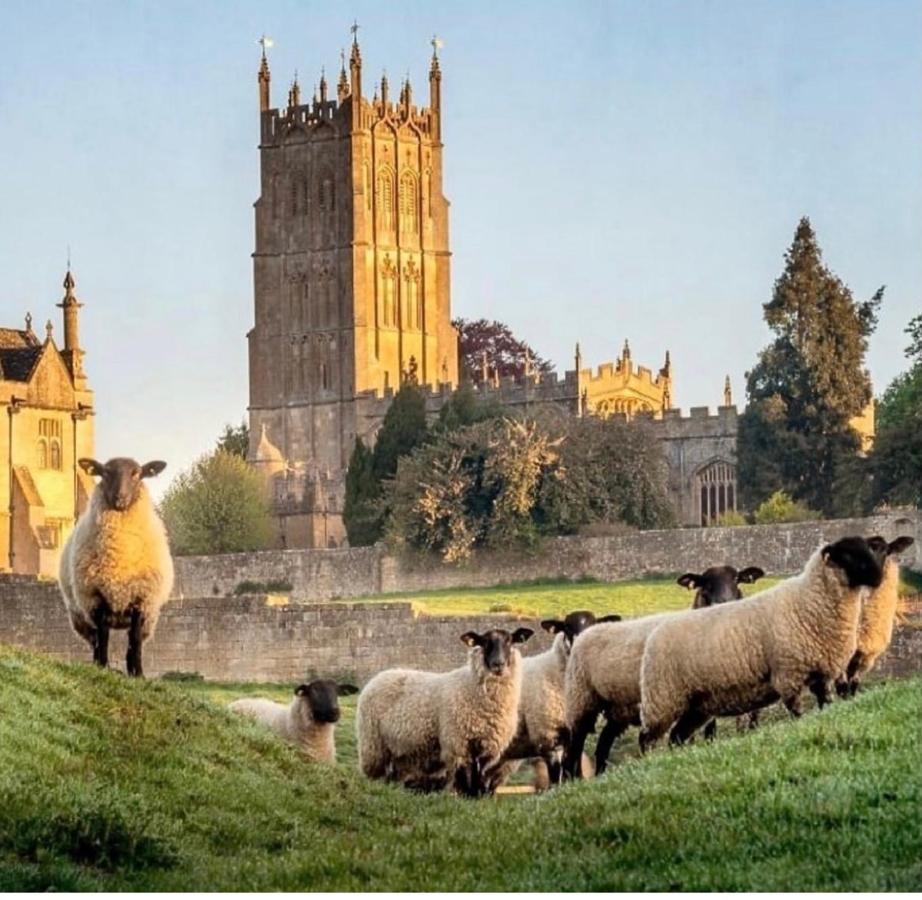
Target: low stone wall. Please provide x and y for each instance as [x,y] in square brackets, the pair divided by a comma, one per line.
[342,574]
[248,638]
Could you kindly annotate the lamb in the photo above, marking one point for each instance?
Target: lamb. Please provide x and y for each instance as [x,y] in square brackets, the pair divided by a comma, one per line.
[542,719]
[720,584]
[116,570]
[308,722]
[875,626]
[431,730]
[733,658]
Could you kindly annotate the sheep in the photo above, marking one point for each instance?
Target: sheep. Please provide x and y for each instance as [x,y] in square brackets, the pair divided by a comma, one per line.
[720,584]
[875,626]
[542,720]
[432,730]
[603,675]
[736,657]
[116,570]
[308,722]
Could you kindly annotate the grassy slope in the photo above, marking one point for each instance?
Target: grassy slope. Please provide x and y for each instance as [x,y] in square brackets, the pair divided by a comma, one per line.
[108,783]
[637,597]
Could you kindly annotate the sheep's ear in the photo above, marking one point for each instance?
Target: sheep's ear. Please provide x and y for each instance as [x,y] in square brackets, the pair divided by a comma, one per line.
[554,626]
[520,635]
[301,690]
[749,575]
[91,467]
[344,689]
[689,580]
[614,617]
[899,545]
[471,638]
[878,545]
[155,467]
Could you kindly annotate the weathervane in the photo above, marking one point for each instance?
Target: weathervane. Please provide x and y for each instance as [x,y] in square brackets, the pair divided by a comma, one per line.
[437,44]
[355,30]
[265,42]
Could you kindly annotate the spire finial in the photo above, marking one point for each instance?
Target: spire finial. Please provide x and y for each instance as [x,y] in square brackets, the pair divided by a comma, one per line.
[578,356]
[323,84]
[626,353]
[265,42]
[728,392]
[28,321]
[355,32]
[49,327]
[342,86]
[263,78]
[384,87]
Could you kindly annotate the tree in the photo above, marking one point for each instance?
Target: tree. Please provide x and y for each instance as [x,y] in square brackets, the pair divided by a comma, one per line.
[361,512]
[896,460]
[235,440]
[494,343]
[807,384]
[403,428]
[219,505]
[781,508]
[465,408]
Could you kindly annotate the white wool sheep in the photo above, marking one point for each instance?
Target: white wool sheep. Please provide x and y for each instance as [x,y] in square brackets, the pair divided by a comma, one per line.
[434,729]
[542,731]
[736,657]
[878,614]
[603,675]
[116,570]
[308,722]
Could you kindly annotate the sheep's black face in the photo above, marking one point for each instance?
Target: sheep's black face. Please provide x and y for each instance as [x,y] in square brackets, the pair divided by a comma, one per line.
[323,698]
[575,623]
[497,646]
[719,584]
[881,549]
[120,479]
[857,561]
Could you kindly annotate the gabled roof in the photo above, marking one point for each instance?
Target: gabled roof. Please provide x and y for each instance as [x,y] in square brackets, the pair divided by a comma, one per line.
[16,337]
[17,363]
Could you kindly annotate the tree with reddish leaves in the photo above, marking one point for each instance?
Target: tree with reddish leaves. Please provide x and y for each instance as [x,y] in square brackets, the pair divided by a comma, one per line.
[492,346]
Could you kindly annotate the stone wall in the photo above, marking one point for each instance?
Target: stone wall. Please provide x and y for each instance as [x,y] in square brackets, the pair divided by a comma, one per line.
[346,573]
[249,638]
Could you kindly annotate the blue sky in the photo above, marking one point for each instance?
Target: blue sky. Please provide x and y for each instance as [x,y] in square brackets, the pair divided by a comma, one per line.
[615,170]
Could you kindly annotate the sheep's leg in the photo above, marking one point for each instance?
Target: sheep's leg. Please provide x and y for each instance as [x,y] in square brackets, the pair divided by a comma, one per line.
[794,704]
[610,733]
[574,754]
[135,642]
[710,730]
[101,642]
[690,721]
[650,734]
[819,687]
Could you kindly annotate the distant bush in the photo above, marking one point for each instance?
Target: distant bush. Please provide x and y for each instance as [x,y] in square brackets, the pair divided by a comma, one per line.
[729,519]
[263,587]
[782,508]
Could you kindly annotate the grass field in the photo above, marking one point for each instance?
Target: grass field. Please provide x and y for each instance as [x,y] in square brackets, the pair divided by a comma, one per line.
[628,598]
[108,783]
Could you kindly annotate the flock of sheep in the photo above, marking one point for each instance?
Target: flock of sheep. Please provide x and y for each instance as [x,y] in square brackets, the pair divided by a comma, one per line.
[469,729]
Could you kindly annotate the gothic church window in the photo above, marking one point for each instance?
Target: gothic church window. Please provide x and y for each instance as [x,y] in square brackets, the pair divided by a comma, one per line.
[716,489]
[325,194]
[385,199]
[409,203]
[56,455]
[43,454]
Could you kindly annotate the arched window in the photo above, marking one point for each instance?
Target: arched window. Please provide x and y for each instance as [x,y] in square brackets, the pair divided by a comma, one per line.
[56,455]
[43,454]
[385,199]
[716,490]
[409,202]
[326,199]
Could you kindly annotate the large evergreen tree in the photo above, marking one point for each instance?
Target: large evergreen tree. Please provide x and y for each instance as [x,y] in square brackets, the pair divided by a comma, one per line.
[403,428]
[361,515]
[807,384]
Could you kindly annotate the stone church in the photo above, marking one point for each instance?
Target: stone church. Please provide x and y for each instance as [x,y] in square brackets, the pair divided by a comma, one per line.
[351,274]
[49,426]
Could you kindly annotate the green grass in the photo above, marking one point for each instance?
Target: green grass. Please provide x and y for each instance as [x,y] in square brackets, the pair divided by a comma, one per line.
[108,783]
[637,597]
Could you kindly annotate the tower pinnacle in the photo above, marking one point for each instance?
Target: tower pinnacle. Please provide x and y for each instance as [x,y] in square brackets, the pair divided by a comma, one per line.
[342,86]
[73,355]
[263,78]
[728,392]
[323,84]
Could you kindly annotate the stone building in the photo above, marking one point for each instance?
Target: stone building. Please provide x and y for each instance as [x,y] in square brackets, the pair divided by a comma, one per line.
[351,275]
[48,427]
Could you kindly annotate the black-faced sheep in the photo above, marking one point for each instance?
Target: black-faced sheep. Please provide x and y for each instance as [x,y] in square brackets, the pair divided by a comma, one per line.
[308,722]
[878,613]
[436,729]
[116,570]
[737,657]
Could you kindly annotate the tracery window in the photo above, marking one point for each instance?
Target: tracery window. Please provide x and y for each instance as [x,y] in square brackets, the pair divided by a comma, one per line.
[716,490]
[409,202]
[385,199]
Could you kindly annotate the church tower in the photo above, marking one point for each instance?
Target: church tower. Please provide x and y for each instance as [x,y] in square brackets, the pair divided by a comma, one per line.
[351,279]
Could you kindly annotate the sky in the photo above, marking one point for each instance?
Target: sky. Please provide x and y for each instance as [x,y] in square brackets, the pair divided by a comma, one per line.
[615,170]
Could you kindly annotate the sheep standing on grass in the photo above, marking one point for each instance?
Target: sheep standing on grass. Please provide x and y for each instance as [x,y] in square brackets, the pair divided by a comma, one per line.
[308,722]
[432,729]
[116,570]
[875,627]
[736,657]
[542,731]
[720,584]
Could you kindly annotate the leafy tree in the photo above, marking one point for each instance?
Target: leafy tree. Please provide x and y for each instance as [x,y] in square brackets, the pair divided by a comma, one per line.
[781,508]
[361,513]
[235,440]
[807,384]
[219,505]
[403,428]
[896,460]
[505,353]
